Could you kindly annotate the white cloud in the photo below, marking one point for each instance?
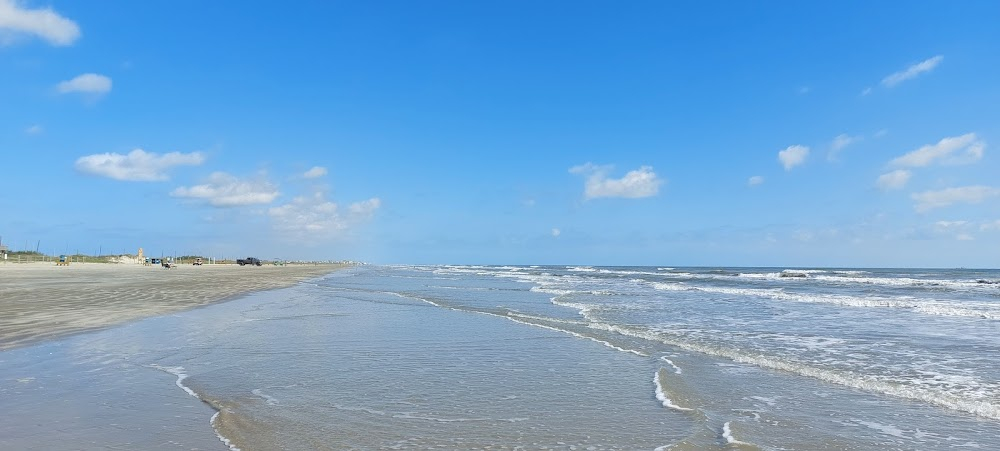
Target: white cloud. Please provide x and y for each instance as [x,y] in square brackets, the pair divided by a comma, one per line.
[893,180]
[963,230]
[793,156]
[642,182]
[803,235]
[957,229]
[839,143]
[224,190]
[881,133]
[137,166]
[950,224]
[316,217]
[866,91]
[556,232]
[17,21]
[365,208]
[912,71]
[944,151]
[96,84]
[929,200]
[755,180]
[843,140]
[34,130]
[316,171]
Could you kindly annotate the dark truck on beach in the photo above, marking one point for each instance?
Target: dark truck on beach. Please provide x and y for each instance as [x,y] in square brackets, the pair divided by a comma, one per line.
[248,261]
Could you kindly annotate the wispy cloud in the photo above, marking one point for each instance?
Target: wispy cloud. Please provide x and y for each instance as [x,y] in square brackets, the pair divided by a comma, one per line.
[930,200]
[755,180]
[803,235]
[839,143]
[17,22]
[365,209]
[912,71]
[225,190]
[893,180]
[964,230]
[95,84]
[136,166]
[315,217]
[556,232]
[793,156]
[316,171]
[642,182]
[34,130]
[950,224]
[944,152]
[960,230]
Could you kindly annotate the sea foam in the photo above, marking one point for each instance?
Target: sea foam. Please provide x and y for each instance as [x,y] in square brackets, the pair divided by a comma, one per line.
[181,375]
[661,394]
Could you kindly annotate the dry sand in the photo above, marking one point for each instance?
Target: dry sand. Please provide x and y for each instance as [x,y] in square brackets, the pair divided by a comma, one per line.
[40,300]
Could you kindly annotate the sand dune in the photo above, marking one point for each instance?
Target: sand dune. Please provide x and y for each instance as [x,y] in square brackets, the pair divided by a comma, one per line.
[40,301]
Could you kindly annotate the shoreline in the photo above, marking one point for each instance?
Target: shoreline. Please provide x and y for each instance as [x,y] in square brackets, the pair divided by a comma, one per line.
[40,301]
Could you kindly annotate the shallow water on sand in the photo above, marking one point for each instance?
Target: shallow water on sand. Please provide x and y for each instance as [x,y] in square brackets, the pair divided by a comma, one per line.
[535,358]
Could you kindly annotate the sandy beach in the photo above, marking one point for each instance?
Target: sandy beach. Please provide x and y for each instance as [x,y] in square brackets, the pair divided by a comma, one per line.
[42,301]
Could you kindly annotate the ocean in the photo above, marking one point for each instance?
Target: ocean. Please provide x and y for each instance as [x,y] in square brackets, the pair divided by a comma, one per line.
[535,357]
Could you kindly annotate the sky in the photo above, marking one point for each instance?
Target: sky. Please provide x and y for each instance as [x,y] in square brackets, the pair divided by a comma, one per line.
[715,133]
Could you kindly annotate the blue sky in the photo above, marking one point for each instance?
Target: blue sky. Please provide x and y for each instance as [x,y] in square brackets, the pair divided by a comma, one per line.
[643,133]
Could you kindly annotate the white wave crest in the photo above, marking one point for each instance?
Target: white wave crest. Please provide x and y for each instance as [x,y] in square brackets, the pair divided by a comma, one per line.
[675,286]
[871,383]
[677,369]
[851,273]
[584,309]
[556,291]
[575,334]
[928,307]
[662,396]
[727,434]
[861,278]
[181,375]
[225,441]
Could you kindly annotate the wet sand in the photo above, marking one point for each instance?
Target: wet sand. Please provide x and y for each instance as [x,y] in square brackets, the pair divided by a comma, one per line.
[41,301]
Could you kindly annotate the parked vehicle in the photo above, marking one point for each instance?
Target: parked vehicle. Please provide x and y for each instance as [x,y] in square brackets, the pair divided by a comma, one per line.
[197,262]
[249,261]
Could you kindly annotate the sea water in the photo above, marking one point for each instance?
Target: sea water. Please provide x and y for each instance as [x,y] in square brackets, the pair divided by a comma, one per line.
[525,357]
